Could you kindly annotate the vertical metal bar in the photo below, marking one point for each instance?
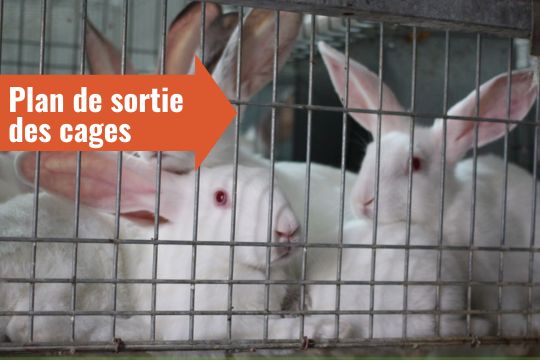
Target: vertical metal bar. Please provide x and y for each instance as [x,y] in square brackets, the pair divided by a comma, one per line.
[532,241]
[36,176]
[409,190]
[196,203]
[504,191]
[440,235]
[129,30]
[47,54]
[158,30]
[1,30]
[235,174]
[162,55]
[125,11]
[43,26]
[194,255]
[377,179]
[272,167]
[308,175]
[116,236]
[77,30]
[22,4]
[344,130]
[82,57]
[75,245]
[34,243]
[475,166]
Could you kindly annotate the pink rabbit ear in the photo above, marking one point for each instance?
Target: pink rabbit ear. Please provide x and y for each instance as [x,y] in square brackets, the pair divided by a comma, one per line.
[184,36]
[493,105]
[103,57]
[257,51]
[363,92]
[98,180]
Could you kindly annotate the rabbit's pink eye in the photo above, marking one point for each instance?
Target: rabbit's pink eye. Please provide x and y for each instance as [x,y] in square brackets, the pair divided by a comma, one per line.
[416,163]
[220,197]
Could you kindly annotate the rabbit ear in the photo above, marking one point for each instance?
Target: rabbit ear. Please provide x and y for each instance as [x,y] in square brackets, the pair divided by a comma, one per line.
[257,51]
[493,105]
[184,36]
[217,36]
[363,92]
[103,57]
[98,180]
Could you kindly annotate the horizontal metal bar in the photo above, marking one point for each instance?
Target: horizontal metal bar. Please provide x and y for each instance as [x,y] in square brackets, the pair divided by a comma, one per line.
[382,112]
[273,244]
[35,65]
[292,313]
[266,282]
[127,346]
[68,45]
[499,17]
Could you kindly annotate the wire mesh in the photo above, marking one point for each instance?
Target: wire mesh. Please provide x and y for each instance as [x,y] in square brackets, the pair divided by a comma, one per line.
[25,49]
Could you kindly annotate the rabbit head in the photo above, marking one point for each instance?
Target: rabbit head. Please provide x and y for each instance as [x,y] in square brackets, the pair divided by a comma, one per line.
[98,189]
[426,161]
[257,61]
[222,37]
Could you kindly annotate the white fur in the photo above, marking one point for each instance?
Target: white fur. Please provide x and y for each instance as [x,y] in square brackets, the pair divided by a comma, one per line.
[54,261]
[135,261]
[10,185]
[389,266]
[391,203]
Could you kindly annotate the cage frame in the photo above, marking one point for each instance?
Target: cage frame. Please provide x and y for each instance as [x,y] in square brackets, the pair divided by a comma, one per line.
[491,21]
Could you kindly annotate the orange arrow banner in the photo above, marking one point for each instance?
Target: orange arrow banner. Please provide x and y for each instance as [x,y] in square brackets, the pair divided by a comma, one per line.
[113,112]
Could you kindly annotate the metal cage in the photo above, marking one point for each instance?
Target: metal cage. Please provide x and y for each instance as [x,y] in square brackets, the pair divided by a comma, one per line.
[430,54]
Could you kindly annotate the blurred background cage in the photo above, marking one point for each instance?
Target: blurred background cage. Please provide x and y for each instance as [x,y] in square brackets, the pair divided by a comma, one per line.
[409,40]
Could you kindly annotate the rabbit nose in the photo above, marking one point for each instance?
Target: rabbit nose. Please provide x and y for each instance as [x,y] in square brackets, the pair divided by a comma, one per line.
[287,236]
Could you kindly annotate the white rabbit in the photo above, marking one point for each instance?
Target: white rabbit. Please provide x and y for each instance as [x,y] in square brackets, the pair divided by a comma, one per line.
[183,40]
[10,185]
[257,62]
[221,56]
[55,261]
[257,65]
[426,167]
[98,174]
[389,267]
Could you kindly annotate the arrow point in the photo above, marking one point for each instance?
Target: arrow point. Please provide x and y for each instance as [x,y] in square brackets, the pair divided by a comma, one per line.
[199,158]
[217,113]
